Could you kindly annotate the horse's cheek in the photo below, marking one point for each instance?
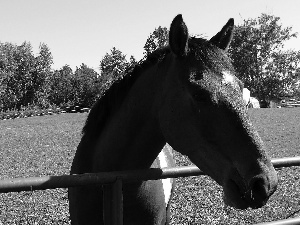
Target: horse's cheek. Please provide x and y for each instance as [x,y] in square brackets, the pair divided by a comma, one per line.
[177,123]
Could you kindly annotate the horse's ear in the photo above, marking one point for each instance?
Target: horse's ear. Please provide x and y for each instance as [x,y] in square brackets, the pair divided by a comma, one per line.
[178,36]
[223,38]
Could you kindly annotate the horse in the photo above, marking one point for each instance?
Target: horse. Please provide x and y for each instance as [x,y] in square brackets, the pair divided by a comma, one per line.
[187,95]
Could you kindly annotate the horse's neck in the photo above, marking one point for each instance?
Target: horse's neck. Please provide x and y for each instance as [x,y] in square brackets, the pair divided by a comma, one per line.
[132,139]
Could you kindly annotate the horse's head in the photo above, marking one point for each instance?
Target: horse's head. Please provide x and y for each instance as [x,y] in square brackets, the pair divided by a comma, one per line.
[203,116]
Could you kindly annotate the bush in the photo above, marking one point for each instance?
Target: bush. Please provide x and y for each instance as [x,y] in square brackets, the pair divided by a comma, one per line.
[28,111]
[31,111]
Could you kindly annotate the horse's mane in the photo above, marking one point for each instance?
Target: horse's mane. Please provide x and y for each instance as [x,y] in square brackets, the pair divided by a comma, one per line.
[115,93]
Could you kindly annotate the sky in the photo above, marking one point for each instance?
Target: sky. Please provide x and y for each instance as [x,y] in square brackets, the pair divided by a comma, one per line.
[78,31]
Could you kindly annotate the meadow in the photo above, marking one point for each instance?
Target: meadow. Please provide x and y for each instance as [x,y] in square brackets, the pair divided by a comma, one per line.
[46,145]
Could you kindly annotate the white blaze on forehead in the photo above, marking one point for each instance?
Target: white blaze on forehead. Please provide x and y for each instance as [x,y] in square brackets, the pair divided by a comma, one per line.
[228,78]
[167,183]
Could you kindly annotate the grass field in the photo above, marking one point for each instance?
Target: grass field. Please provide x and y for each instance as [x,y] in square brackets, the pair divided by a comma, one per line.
[46,145]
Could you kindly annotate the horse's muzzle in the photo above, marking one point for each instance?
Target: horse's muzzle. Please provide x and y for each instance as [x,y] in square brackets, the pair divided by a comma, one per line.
[254,195]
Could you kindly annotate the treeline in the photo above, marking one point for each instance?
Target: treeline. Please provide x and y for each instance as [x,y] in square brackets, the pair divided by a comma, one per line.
[257,51]
[27,80]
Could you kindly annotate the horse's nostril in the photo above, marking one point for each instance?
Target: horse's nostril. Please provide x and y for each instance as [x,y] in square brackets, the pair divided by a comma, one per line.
[259,191]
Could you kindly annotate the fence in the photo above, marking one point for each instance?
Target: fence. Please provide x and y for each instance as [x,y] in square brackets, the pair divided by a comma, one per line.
[113,196]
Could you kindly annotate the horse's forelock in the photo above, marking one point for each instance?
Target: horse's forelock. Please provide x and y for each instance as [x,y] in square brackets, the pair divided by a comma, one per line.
[212,57]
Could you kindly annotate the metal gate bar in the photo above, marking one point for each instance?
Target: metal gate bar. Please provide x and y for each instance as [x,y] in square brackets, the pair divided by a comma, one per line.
[291,221]
[112,193]
[65,181]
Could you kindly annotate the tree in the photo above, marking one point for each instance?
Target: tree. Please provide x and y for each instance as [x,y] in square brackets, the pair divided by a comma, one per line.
[44,60]
[8,98]
[86,86]
[23,76]
[259,59]
[157,39]
[61,91]
[132,61]
[113,65]
[282,74]
[40,76]
[7,66]
[17,64]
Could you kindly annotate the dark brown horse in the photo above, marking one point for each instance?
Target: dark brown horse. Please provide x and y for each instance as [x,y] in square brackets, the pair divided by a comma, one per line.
[186,95]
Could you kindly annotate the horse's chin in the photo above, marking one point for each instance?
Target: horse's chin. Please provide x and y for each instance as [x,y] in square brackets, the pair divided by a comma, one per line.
[235,198]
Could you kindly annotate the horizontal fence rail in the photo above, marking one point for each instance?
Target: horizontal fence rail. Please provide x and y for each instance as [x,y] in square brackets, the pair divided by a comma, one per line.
[291,221]
[113,195]
[65,181]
